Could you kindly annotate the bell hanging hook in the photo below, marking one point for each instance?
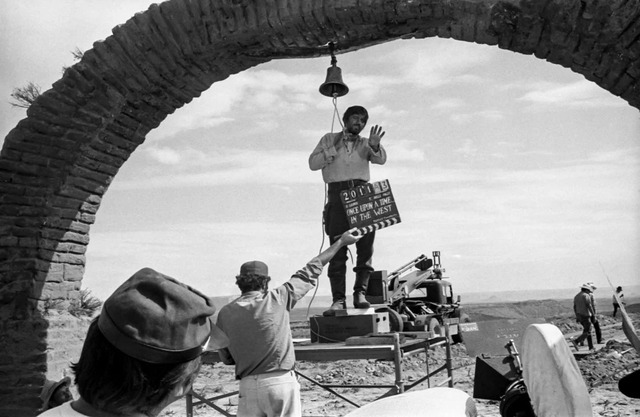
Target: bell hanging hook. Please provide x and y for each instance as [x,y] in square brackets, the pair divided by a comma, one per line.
[333,85]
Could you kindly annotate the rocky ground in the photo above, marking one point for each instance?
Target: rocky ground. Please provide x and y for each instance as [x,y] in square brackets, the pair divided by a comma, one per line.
[601,370]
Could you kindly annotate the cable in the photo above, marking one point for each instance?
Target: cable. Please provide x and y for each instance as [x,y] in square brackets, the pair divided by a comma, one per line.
[319,251]
[336,115]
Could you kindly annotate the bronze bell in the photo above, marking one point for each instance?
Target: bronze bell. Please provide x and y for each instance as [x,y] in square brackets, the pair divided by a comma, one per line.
[333,85]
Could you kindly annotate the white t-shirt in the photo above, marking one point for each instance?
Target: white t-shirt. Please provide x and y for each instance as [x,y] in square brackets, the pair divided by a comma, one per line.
[63,410]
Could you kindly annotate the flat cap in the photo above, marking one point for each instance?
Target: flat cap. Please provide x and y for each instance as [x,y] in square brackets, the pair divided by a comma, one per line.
[254,267]
[155,318]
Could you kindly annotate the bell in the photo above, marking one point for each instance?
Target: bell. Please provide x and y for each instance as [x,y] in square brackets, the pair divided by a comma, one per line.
[333,85]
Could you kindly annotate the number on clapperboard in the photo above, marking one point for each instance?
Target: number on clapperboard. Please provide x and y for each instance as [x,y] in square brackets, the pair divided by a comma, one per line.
[364,190]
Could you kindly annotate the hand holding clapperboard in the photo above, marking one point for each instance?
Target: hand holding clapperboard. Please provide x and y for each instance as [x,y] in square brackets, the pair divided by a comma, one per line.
[370,207]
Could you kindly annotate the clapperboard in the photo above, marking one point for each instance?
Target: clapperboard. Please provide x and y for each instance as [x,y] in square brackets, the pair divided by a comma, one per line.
[370,207]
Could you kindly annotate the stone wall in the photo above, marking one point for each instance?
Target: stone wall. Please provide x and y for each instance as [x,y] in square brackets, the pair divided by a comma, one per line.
[56,164]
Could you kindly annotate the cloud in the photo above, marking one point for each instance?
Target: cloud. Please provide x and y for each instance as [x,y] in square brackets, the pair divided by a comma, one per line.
[457,111]
[448,103]
[184,159]
[491,115]
[165,155]
[626,156]
[404,150]
[467,149]
[578,94]
[231,166]
[204,255]
[561,213]
[439,64]
[265,93]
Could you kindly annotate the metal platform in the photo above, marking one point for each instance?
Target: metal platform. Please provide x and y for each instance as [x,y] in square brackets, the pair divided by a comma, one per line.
[329,352]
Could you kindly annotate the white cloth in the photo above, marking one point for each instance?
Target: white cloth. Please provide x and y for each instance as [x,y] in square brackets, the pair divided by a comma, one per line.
[63,410]
[430,402]
[551,374]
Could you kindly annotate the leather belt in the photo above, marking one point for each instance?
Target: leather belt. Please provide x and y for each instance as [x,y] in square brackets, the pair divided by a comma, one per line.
[344,185]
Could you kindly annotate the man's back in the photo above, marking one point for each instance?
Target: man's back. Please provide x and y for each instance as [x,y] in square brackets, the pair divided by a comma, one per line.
[257,324]
[582,304]
[258,328]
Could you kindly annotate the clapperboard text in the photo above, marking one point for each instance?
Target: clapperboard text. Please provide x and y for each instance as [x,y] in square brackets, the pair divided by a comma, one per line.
[370,207]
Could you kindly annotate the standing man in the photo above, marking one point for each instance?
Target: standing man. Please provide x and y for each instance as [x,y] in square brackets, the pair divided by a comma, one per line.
[143,351]
[260,341]
[617,300]
[344,160]
[583,309]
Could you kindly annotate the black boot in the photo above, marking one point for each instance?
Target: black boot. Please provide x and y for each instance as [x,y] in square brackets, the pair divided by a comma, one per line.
[590,342]
[360,289]
[337,305]
[359,301]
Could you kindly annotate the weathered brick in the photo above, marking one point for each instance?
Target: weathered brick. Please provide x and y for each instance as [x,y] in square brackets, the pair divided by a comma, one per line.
[73,272]
[11,199]
[8,240]
[55,273]
[54,245]
[99,162]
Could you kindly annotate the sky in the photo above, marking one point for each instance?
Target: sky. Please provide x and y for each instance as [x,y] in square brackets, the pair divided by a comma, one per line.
[524,175]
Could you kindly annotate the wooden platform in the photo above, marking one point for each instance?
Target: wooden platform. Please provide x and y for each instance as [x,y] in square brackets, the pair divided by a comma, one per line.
[584,350]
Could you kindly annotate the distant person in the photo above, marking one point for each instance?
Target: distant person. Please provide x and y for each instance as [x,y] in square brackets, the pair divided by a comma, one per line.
[620,298]
[143,351]
[55,393]
[344,159]
[260,341]
[594,319]
[583,309]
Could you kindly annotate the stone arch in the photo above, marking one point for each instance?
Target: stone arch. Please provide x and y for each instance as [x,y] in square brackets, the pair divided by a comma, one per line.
[56,164]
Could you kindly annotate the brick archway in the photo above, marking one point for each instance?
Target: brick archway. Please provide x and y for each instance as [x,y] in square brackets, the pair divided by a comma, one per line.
[57,163]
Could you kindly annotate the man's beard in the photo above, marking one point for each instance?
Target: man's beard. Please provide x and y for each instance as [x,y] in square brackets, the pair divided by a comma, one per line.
[353,131]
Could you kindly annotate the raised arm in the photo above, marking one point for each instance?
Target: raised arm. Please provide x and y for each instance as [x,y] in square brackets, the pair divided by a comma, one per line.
[347,238]
[378,154]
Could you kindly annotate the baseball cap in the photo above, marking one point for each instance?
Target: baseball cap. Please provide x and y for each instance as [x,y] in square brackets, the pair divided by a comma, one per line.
[155,318]
[254,267]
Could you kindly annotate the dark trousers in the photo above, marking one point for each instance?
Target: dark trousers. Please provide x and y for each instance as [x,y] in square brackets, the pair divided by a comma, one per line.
[596,327]
[585,321]
[616,306]
[335,224]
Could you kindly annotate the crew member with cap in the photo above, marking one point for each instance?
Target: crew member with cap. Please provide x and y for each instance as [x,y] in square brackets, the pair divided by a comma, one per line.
[143,351]
[260,341]
[583,309]
[344,159]
[55,393]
